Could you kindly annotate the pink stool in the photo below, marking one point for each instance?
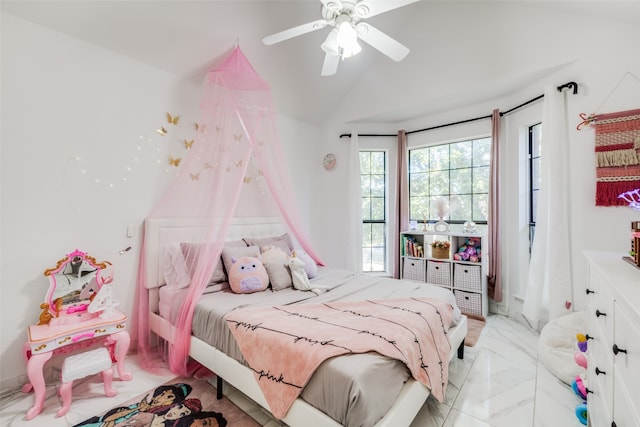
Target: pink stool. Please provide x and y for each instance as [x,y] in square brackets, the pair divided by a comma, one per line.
[81,365]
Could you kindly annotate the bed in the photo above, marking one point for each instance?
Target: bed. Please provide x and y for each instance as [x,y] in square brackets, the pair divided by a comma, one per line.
[402,396]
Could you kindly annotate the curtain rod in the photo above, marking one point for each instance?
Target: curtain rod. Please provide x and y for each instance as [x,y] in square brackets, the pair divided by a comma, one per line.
[569,85]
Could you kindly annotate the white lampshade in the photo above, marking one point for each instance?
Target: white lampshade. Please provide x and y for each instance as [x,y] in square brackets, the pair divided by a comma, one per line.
[347,39]
[330,45]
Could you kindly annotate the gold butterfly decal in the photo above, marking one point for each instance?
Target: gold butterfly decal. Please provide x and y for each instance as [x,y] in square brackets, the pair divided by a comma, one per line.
[237,136]
[173,161]
[218,128]
[260,142]
[173,119]
[246,179]
[162,131]
[238,162]
[188,144]
[194,176]
[208,166]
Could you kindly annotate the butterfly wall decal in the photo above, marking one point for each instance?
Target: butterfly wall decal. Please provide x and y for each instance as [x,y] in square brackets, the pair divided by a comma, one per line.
[162,131]
[173,119]
[194,176]
[188,144]
[174,162]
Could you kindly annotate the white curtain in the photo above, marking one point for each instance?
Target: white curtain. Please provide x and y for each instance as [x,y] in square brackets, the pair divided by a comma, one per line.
[549,287]
[354,206]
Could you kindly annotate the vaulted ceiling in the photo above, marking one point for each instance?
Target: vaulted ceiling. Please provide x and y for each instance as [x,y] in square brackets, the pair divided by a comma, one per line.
[450,42]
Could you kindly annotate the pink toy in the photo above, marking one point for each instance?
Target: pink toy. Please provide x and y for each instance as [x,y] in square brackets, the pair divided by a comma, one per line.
[248,275]
[580,359]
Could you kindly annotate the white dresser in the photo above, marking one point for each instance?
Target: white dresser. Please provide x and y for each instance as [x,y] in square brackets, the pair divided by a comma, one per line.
[613,374]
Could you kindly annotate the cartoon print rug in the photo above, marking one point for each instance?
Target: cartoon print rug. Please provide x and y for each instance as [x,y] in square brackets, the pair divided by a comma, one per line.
[181,402]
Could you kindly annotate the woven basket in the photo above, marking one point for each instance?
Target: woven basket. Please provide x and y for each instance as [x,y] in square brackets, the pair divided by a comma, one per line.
[441,253]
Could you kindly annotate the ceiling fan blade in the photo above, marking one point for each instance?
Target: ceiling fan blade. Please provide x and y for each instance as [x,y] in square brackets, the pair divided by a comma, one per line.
[330,65]
[368,8]
[379,40]
[294,32]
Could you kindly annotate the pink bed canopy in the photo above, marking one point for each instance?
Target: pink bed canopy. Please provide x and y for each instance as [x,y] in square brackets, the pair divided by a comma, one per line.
[236,152]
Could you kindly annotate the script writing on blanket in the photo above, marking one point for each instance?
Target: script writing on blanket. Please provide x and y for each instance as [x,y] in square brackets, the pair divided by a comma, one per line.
[284,345]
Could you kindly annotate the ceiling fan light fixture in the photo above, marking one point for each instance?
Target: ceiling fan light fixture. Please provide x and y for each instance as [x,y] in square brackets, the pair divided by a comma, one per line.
[330,44]
[347,35]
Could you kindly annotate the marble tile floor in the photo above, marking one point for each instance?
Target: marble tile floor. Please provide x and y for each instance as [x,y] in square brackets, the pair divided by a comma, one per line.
[500,383]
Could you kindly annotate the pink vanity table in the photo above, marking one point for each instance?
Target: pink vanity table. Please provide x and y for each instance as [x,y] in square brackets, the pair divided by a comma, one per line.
[77,313]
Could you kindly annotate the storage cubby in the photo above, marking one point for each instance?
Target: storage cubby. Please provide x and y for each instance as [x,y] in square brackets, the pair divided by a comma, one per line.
[465,277]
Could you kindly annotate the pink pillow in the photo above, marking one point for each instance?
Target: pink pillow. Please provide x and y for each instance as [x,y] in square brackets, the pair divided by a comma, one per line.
[247,275]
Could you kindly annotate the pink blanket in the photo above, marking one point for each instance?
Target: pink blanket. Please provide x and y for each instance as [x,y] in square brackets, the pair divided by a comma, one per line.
[284,345]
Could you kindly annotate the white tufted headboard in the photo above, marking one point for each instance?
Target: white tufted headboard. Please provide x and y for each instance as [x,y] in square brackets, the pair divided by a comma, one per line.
[162,231]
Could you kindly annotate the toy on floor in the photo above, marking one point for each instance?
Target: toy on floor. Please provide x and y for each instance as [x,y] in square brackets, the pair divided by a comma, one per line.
[579,384]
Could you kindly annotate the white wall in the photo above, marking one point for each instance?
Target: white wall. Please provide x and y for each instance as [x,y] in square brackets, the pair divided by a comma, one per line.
[595,53]
[64,99]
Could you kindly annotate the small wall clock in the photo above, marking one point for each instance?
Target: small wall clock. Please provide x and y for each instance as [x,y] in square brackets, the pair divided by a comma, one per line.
[329,161]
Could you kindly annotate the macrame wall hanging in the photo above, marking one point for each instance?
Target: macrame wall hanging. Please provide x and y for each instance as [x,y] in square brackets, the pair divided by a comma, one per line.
[617,156]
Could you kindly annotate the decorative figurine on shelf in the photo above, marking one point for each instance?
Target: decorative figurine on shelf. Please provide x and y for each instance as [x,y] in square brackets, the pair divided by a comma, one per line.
[470,251]
[441,207]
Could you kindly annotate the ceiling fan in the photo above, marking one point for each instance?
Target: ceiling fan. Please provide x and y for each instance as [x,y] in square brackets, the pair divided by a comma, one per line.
[346,18]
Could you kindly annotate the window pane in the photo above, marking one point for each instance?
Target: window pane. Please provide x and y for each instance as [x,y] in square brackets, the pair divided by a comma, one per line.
[419,160]
[439,183]
[377,209]
[419,184]
[482,152]
[461,208]
[461,181]
[365,163]
[419,208]
[377,235]
[439,157]
[481,179]
[366,209]
[377,162]
[365,185]
[461,154]
[480,207]
[536,178]
[377,259]
[366,235]
[377,186]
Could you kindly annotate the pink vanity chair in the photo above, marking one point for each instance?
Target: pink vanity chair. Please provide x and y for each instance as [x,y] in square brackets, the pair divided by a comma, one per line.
[78,313]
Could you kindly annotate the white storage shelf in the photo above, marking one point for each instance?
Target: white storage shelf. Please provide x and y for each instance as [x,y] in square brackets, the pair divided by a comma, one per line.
[466,279]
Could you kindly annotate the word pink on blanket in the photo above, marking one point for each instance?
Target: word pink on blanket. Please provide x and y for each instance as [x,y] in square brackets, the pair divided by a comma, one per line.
[284,345]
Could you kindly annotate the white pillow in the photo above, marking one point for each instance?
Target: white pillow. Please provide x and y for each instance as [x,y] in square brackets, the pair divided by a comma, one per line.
[276,261]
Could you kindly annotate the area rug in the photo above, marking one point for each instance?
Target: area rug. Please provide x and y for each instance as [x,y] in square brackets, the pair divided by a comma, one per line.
[176,403]
[475,324]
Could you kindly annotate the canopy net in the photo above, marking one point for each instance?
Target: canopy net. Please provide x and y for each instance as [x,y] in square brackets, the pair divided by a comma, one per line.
[236,158]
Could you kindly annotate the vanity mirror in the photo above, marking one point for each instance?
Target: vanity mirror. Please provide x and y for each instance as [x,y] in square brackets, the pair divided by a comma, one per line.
[73,283]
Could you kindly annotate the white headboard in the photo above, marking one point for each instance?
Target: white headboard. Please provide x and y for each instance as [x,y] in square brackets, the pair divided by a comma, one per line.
[159,232]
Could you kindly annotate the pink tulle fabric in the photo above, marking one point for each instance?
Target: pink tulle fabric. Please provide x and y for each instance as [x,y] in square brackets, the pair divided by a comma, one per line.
[236,151]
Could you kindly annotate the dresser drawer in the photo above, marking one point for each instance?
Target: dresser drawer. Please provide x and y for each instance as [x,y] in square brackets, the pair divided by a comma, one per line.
[600,370]
[627,361]
[600,312]
[625,405]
